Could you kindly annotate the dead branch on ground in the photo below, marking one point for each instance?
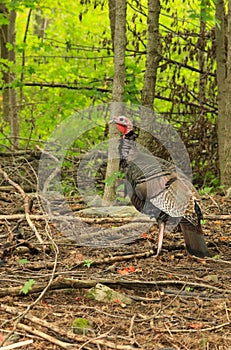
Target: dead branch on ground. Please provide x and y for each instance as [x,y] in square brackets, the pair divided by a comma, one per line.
[26,204]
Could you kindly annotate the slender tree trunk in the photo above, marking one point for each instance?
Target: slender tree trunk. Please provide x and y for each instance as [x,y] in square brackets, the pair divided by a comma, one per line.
[223,56]
[24,59]
[153,54]
[226,166]
[119,51]
[40,24]
[4,55]
[202,57]
[117,91]
[14,119]
[10,108]
[150,76]
[112,16]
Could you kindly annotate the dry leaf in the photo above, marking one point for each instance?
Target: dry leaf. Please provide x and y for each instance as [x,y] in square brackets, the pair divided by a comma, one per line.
[197,325]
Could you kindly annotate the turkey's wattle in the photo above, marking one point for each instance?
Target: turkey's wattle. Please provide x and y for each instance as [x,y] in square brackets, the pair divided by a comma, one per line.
[161,190]
[122,129]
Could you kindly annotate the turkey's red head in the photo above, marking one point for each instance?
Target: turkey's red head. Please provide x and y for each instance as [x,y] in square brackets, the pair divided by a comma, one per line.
[123,124]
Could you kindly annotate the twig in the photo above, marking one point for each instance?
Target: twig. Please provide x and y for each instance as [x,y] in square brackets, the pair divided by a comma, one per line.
[43,290]
[226,312]
[98,340]
[94,339]
[131,326]
[22,216]
[10,188]
[44,336]
[195,330]
[26,204]
[217,217]
[167,306]
[17,345]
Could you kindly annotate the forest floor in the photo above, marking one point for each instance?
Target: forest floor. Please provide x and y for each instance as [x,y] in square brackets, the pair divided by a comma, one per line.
[178,301]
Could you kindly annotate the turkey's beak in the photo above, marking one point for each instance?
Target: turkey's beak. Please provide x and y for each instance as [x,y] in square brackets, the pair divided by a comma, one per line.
[111,121]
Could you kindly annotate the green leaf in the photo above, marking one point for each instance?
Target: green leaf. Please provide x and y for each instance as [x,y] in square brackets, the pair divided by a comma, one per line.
[27,286]
[87,263]
[23,261]
[81,325]
[216,257]
[3,20]
[112,178]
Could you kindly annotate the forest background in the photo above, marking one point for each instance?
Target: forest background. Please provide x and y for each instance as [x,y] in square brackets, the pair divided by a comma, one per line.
[58,58]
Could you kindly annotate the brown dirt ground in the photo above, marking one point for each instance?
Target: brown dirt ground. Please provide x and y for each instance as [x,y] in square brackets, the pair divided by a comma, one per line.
[170,313]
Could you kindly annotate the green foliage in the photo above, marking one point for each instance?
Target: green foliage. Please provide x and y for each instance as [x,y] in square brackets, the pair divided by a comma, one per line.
[23,261]
[205,11]
[110,180]
[81,325]
[216,257]
[87,263]
[70,66]
[27,286]
[3,19]
[206,190]
[213,184]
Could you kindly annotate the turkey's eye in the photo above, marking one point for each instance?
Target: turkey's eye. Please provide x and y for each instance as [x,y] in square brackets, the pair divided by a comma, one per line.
[121,119]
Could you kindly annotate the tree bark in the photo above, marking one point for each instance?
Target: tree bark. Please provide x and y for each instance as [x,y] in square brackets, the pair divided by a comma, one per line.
[117,93]
[40,24]
[153,54]
[10,108]
[152,62]
[4,55]
[226,164]
[223,56]
[112,16]
[14,119]
[202,57]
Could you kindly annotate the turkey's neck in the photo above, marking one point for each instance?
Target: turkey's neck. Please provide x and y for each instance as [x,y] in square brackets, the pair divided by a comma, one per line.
[127,149]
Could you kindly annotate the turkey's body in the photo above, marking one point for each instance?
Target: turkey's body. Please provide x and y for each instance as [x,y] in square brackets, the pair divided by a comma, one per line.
[161,190]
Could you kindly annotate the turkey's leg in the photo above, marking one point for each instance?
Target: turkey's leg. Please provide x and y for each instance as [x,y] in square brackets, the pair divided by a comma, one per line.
[160,237]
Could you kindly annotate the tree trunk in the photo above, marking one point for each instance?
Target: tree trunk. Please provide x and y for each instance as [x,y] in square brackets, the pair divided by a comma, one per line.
[10,108]
[117,93]
[223,57]
[153,54]
[202,58]
[4,55]
[14,119]
[226,161]
[40,24]
[150,76]
[112,14]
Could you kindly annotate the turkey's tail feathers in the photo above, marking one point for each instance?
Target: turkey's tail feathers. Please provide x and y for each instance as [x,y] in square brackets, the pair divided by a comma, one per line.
[194,239]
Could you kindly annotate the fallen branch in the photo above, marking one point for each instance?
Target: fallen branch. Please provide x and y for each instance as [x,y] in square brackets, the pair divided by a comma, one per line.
[26,203]
[70,335]
[45,336]
[88,220]
[28,189]
[217,217]
[19,344]
[69,283]
[46,286]
[183,330]
[96,220]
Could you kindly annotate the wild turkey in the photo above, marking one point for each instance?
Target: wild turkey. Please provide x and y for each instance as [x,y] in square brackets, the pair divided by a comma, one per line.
[161,190]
